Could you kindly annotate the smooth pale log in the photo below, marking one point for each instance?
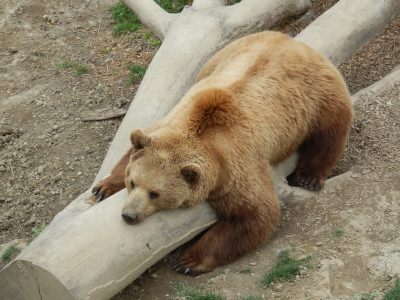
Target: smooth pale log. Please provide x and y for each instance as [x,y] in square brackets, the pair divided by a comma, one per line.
[90,253]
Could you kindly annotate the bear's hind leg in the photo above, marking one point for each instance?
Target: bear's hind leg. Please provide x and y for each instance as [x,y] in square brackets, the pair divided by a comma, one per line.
[320,152]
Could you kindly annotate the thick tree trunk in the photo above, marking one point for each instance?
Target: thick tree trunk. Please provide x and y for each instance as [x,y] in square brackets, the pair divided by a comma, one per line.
[90,253]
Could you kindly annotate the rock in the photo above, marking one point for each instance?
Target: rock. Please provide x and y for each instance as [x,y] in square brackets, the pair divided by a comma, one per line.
[45,18]
[31,221]
[40,169]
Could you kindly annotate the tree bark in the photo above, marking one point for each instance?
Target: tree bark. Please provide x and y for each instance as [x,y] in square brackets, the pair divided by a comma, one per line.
[90,253]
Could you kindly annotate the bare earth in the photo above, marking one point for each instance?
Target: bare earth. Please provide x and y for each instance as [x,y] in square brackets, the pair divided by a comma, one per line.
[49,155]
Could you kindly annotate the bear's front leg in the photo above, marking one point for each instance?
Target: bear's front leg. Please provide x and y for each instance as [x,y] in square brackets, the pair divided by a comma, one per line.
[113,183]
[231,237]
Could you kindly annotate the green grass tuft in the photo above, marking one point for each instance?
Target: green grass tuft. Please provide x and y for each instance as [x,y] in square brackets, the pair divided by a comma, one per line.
[10,252]
[190,293]
[37,230]
[66,65]
[173,6]
[251,297]
[126,20]
[337,233]
[136,73]
[285,269]
[393,293]
[151,39]
[80,70]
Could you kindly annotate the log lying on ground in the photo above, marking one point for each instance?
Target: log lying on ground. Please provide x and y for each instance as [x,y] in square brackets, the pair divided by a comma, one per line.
[90,253]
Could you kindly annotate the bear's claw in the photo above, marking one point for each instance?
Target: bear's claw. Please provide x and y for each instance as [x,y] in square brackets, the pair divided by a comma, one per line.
[313,183]
[99,193]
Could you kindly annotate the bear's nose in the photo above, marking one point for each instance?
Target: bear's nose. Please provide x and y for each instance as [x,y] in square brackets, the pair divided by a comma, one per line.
[129,217]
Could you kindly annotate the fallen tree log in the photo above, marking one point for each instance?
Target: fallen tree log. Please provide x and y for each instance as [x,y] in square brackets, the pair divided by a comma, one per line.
[90,253]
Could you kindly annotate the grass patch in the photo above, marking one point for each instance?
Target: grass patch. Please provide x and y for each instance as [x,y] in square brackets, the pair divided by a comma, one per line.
[337,233]
[126,20]
[251,297]
[66,65]
[136,73]
[151,39]
[173,6]
[285,269]
[10,252]
[183,291]
[37,230]
[80,70]
[245,271]
[393,293]
[367,295]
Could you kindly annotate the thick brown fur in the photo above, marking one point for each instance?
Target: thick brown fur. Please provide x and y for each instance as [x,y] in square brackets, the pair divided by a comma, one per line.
[255,102]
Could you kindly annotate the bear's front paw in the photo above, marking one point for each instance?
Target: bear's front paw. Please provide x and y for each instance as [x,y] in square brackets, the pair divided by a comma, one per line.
[104,189]
[192,265]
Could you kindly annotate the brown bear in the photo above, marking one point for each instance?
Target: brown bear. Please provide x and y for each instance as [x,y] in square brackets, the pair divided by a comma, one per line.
[254,103]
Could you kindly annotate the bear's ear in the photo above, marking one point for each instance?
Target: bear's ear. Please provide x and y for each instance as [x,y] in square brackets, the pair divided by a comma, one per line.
[191,173]
[213,107]
[139,139]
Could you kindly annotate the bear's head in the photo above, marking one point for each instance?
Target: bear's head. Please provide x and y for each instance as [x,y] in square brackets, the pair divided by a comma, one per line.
[166,170]
[179,166]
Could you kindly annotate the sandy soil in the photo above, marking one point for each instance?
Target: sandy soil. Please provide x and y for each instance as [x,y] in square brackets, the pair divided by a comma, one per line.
[49,155]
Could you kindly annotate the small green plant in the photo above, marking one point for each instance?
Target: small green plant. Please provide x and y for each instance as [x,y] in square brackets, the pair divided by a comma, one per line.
[173,6]
[393,293]
[245,271]
[126,20]
[150,39]
[251,297]
[367,295]
[136,73]
[285,269]
[37,230]
[183,291]
[80,70]
[10,252]
[66,65]
[337,233]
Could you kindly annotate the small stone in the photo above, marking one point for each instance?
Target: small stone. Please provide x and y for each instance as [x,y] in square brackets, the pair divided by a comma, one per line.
[79,173]
[53,20]
[253,264]
[31,221]
[319,244]
[67,162]
[154,275]
[55,127]
[40,169]
[45,17]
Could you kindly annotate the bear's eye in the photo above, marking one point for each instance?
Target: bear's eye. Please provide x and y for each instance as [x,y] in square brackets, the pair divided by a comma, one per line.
[153,195]
[132,185]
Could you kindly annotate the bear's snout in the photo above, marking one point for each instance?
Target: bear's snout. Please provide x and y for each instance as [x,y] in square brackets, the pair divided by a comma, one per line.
[129,217]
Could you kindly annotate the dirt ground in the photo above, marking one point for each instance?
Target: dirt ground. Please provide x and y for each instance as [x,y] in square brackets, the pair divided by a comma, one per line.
[49,155]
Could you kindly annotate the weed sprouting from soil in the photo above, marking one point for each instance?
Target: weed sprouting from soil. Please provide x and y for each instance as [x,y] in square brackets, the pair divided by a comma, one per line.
[337,233]
[37,230]
[136,73]
[285,269]
[126,20]
[190,293]
[10,252]
[393,293]
[79,69]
